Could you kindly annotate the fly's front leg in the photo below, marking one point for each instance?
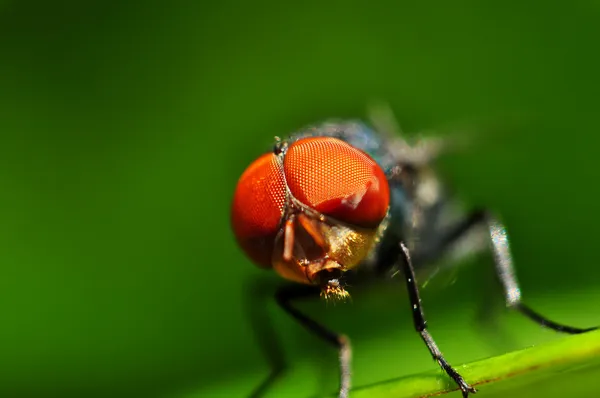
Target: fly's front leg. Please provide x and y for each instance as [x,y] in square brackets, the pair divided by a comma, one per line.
[421,324]
[258,293]
[285,296]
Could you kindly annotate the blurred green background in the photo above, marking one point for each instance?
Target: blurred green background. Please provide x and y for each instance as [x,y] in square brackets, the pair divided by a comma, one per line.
[125,125]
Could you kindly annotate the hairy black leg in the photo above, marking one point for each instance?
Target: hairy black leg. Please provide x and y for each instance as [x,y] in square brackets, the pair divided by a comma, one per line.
[506,273]
[421,324]
[258,294]
[503,263]
[285,296]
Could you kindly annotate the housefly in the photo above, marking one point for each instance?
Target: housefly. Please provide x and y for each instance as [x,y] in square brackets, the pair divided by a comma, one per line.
[342,196]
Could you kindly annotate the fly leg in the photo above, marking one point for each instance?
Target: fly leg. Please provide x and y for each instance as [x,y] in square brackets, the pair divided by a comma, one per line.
[258,294]
[289,293]
[421,324]
[507,276]
[504,267]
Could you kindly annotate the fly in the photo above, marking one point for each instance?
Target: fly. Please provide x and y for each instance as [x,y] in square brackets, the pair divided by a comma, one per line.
[341,196]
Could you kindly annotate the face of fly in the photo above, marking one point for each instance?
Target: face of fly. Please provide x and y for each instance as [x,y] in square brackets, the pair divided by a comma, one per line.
[311,210]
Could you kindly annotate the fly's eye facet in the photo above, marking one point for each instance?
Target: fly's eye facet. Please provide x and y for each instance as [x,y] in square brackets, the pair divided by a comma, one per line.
[338,180]
[258,206]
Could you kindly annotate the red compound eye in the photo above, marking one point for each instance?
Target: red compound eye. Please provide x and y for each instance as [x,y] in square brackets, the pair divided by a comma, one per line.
[257,208]
[338,180]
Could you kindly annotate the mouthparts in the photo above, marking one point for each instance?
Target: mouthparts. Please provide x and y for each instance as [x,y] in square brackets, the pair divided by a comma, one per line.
[333,290]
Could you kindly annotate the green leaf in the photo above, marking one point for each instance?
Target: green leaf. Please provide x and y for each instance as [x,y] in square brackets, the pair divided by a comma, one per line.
[556,368]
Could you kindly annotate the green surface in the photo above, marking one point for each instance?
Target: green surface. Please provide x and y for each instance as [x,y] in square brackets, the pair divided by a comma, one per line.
[512,372]
[396,361]
[125,125]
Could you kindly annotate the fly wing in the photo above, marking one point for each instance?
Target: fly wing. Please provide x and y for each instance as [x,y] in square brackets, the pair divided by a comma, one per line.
[445,244]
